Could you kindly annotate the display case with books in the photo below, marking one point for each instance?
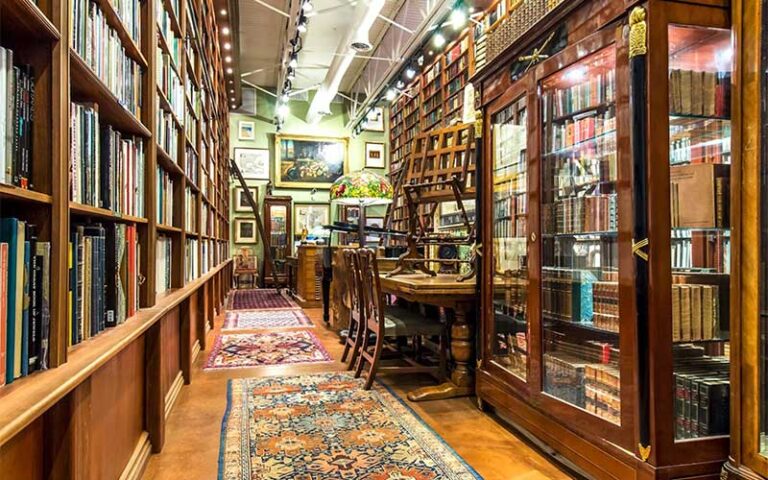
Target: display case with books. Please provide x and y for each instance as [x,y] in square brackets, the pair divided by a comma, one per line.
[277,223]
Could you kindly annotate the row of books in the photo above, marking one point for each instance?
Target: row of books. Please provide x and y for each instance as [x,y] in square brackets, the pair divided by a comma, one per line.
[165,192]
[164,262]
[510,254]
[596,91]
[592,167]
[580,215]
[17,104]
[168,134]
[206,220]
[605,306]
[169,83]
[456,84]
[433,72]
[701,250]
[106,167]
[702,388]
[101,48]
[25,296]
[695,312]
[700,93]
[708,142]
[700,195]
[191,262]
[191,164]
[576,132]
[510,147]
[602,387]
[174,43]
[190,128]
[190,210]
[129,12]
[103,278]
[457,50]
[434,117]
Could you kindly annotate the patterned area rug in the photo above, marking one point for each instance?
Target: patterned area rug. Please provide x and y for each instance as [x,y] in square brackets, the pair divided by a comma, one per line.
[259,299]
[256,319]
[326,426]
[258,349]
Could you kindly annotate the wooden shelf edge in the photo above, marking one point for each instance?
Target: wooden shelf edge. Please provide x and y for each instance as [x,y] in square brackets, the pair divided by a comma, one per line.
[114,21]
[168,228]
[82,209]
[28,398]
[14,192]
[41,26]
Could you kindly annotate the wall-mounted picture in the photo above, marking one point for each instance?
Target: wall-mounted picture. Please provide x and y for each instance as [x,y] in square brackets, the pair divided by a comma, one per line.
[374,155]
[246,130]
[253,163]
[310,216]
[309,162]
[240,200]
[376,222]
[375,120]
[245,258]
[245,230]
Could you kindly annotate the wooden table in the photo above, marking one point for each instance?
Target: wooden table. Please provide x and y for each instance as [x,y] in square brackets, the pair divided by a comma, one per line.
[443,291]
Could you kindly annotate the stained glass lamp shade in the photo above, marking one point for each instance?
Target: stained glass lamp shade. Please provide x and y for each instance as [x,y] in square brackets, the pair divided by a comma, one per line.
[362,188]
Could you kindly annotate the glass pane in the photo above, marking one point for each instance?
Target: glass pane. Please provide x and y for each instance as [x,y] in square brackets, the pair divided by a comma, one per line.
[510,246]
[580,288]
[700,157]
[278,216]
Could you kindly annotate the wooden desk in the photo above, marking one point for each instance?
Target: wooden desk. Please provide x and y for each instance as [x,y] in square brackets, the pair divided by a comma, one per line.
[443,291]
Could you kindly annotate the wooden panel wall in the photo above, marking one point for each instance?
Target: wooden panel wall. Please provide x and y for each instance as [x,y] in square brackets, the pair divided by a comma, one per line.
[22,457]
[171,363]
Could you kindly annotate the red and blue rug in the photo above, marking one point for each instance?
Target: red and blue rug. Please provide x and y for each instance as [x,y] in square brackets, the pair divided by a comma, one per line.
[259,319]
[250,350]
[326,426]
[259,299]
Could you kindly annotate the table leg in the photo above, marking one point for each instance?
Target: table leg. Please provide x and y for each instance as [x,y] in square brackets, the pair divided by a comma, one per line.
[462,382]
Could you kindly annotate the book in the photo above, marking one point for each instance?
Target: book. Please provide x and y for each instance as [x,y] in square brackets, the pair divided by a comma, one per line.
[43,251]
[3,309]
[17,85]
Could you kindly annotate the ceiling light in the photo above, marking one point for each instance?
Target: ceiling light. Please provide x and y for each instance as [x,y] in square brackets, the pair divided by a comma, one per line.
[285,97]
[283,110]
[410,72]
[294,60]
[438,40]
[225,30]
[231,90]
[229,70]
[223,11]
[227,46]
[291,73]
[301,26]
[228,59]
[400,84]
[391,93]
[458,18]
[307,7]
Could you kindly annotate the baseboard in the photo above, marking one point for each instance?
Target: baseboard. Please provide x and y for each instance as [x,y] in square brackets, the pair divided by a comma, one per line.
[195,351]
[173,393]
[138,461]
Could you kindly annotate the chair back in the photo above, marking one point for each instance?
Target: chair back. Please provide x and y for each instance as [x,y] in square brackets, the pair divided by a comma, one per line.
[373,307]
[353,284]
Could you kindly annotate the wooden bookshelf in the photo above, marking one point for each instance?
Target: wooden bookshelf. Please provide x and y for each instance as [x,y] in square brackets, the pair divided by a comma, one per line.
[157,342]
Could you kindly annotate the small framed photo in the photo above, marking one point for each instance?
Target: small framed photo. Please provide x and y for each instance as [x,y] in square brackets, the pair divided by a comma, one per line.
[376,222]
[245,230]
[374,155]
[375,120]
[246,130]
[253,163]
[310,216]
[240,200]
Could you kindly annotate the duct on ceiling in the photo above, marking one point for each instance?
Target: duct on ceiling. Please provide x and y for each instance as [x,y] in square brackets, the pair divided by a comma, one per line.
[355,40]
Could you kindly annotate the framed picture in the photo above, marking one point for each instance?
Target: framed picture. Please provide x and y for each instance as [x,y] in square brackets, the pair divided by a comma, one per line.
[245,230]
[377,222]
[240,201]
[309,162]
[374,155]
[375,120]
[253,163]
[309,216]
[246,130]
[245,258]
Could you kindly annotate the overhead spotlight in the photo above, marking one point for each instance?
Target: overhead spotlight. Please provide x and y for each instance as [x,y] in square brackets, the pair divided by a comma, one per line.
[225,30]
[458,18]
[420,60]
[227,46]
[231,90]
[291,73]
[228,59]
[391,93]
[438,40]
[285,97]
[283,110]
[307,7]
[294,60]
[229,70]
[410,72]
[301,26]
[223,11]
[231,81]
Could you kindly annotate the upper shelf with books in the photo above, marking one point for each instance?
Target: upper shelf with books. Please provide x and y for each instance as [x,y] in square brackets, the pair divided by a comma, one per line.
[102,213]
[129,36]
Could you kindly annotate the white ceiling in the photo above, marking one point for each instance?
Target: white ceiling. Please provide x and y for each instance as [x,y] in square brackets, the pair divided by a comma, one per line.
[262,40]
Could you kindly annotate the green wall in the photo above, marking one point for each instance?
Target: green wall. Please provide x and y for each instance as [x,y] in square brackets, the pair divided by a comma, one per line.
[330,126]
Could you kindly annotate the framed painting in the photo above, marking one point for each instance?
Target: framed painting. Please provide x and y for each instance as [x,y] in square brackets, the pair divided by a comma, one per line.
[309,162]
[376,222]
[253,163]
[246,130]
[374,155]
[245,230]
[240,200]
[310,216]
[375,120]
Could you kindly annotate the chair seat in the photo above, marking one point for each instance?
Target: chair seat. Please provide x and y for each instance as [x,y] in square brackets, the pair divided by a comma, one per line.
[400,322]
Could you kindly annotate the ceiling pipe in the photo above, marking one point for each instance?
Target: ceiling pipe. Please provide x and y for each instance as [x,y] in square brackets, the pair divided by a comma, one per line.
[355,40]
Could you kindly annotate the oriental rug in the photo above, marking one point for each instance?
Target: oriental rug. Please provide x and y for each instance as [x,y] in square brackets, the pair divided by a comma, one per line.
[258,319]
[250,350]
[326,426]
[259,299]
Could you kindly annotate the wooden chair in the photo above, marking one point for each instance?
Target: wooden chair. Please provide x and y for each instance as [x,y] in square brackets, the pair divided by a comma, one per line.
[382,322]
[354,292]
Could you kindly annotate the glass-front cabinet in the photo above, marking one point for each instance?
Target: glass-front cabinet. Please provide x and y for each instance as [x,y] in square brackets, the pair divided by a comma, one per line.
[277,222]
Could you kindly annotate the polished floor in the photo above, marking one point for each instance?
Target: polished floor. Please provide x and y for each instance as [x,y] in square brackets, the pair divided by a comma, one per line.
[192,435]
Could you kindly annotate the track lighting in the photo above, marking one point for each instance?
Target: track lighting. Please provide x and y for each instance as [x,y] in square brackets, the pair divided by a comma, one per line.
[285,97]
[307,7]
[227,46]
[223,12]
[291,73]
[283,110]
[400,84]
[458,19]
[410,72]
[294,60]
[229,70]
[225,30]
[301,26]
[391,93]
